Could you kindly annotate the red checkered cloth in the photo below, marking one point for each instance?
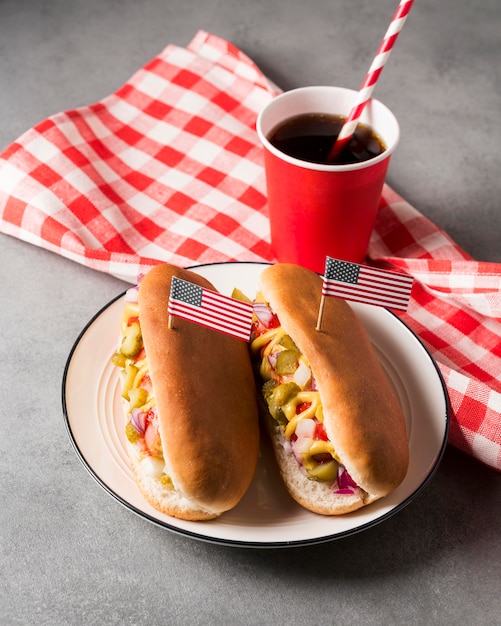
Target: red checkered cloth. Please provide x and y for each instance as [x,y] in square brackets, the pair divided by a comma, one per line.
[169,168]
[455,308]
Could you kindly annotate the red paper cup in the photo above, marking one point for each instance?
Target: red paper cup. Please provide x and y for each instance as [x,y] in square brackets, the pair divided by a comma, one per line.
[323,210]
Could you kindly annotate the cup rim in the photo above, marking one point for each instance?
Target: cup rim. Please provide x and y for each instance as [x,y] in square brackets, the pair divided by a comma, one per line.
[372,104]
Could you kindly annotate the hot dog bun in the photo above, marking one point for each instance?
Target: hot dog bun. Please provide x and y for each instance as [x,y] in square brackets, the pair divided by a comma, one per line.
[206,408]
[362,416]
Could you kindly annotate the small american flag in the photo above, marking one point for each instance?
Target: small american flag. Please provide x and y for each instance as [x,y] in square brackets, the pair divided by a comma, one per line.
[209,308]
[361,283]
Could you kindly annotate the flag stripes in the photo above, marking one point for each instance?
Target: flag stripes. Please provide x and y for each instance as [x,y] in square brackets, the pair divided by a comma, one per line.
[210,309]
[370,285]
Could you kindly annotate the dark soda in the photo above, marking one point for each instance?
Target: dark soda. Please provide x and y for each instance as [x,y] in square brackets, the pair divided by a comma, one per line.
[311,136]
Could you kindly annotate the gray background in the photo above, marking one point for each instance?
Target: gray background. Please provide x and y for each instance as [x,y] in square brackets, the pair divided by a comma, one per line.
[70,554]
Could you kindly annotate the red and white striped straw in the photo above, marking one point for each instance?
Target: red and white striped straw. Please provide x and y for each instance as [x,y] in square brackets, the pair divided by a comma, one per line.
[372,76]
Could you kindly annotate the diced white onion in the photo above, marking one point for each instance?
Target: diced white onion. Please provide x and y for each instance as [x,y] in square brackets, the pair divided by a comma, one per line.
[302,374]
[306,428]
[153,466]
[302,445]
[131,295]
[287,446]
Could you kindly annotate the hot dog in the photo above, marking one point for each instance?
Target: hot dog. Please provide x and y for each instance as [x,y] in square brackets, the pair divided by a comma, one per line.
[335,421]
[190,404]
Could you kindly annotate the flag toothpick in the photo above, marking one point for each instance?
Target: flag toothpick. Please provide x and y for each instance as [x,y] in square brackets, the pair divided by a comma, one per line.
[320,317]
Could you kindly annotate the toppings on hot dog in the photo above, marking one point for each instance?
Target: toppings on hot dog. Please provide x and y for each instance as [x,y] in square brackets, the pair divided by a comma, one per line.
[335,421]
[292,397]
[191,414]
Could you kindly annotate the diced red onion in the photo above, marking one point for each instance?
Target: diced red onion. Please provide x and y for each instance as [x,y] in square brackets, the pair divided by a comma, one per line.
[263,313]
[345,483]
[272,359]
[138,420]
[131,295]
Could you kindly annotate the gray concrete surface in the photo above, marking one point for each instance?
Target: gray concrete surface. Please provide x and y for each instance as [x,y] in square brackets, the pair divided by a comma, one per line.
[69,553]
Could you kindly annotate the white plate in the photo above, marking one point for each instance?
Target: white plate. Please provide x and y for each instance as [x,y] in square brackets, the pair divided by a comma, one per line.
[267,516]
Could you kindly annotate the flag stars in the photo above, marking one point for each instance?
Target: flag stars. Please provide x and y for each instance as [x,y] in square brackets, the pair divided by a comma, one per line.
[342,271]
[186,292]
